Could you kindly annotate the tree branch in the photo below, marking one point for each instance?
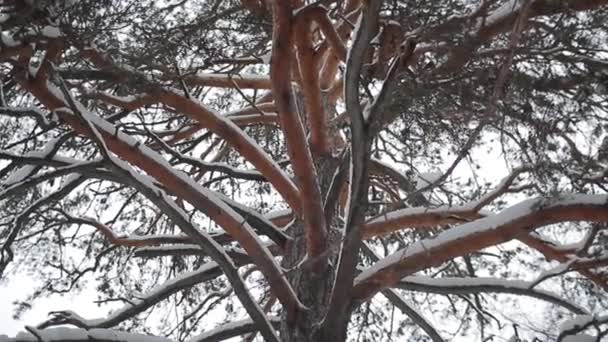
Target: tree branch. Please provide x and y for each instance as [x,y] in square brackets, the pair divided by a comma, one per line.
[180,185]
[479,234]
[299,153]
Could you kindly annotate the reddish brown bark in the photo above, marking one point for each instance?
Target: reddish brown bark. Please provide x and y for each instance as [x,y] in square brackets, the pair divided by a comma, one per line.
[436,255]
[239,141]
[309,80]
[562,256]
[179,187]
[299,153]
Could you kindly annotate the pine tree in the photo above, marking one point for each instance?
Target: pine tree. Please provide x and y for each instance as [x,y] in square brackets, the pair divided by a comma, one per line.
[308,170]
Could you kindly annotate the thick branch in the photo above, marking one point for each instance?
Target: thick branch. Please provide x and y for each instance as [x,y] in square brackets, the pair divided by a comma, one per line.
[476,235]
[309,79]
[62,334]
[359,164]
[421,217]
[299,153]
[239,140]
[228,81]
[222,127]
[180,185]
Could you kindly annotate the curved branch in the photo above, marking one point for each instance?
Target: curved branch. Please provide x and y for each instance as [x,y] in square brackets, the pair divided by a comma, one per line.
[309,79]
[330,58]
[62,334]
[402,304]
[219,125]
[420,217]
[299,153]
[130,241]
[180,185]
[238,255]
[129,103]
[359,164]
[409,310]
[470,237]
[453,285]
[239,140]
[318,14]
[552,253]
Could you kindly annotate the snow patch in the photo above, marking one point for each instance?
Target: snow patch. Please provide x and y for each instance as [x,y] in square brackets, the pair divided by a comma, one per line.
[8,40]
[76,334]
[425,179]
[575,323]
[482,225]
[580,338]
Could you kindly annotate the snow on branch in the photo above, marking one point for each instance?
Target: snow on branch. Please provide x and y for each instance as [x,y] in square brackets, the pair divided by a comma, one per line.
[63,334]
[261,224]
[219,125]
[472,285]
[572,330]
[479,234]
[241,142]
[230,330]
[47,152]
[186,280]
[417,217]
[244,81]
[130,149]
[31,181]
[179,184]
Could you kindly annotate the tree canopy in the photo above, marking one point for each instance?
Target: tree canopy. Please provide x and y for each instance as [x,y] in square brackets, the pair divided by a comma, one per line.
[293,170]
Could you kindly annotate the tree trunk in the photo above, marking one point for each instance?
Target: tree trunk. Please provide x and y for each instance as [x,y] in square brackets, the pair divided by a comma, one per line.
[313,289]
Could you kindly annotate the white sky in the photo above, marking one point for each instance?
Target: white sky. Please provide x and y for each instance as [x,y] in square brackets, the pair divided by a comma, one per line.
[20,286]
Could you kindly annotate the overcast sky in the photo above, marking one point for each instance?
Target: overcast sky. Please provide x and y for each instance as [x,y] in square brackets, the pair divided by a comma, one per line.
[19,287]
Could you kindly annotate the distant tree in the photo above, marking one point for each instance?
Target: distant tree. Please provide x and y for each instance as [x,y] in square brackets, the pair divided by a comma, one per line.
[288,167]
